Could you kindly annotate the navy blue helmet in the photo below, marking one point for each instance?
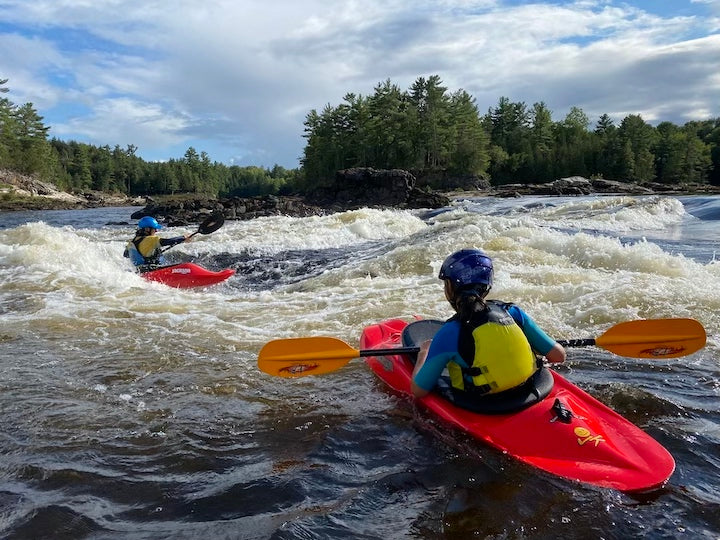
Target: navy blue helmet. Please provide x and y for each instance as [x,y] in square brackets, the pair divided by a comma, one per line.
[468,267]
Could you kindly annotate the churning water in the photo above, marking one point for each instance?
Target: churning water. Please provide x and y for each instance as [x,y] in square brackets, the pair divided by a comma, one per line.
[133,410]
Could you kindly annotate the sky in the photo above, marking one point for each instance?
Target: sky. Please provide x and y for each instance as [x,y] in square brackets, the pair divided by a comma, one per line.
[237,78]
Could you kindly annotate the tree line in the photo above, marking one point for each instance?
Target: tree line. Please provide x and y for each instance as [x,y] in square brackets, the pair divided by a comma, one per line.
[77,167]
[427,130]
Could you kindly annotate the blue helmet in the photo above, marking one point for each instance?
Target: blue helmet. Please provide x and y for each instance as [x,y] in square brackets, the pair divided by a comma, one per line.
[468,267]
[149,222]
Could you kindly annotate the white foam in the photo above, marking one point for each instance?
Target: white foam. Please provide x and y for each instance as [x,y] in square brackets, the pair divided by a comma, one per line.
[566,263]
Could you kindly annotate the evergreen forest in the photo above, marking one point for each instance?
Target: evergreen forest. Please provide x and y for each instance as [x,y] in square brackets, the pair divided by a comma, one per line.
[436,134]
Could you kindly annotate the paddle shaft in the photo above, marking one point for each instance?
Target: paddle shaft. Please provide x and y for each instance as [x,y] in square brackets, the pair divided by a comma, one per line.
[586,342]
[590,342]
[414,350]
[386,352]
[212,224]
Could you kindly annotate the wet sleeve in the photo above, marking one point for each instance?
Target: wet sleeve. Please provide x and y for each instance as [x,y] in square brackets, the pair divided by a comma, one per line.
[443,349]
[172,241]
[539,340]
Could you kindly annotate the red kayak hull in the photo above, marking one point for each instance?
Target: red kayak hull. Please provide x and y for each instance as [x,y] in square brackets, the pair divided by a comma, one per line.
[597,447]
[187,275]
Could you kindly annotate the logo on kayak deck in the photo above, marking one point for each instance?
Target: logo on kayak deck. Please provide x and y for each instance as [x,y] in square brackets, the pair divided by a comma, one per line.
[180,271]
[663,351]
[298,368]
[585,436]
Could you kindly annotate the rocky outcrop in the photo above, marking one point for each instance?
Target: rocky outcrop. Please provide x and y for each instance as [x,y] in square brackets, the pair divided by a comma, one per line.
[577,185]
[371,187]
[23,192]
[444,181]
[353,188]
[367,187]
[574,185]
[188,211]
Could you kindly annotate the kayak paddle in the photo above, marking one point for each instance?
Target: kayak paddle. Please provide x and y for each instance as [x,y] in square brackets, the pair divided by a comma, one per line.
[210,225]
[651,338]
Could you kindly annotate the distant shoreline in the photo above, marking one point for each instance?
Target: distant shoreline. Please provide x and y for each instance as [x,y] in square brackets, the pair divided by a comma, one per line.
[22,193]
[41,202]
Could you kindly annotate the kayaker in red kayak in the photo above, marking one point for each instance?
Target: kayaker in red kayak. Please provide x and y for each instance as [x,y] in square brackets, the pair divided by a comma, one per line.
[488,347]
[144,250]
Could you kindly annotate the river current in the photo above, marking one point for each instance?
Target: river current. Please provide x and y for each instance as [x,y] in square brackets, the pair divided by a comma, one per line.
[134,410]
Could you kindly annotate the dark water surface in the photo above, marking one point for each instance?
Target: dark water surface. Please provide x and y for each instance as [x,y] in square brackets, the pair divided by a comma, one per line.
[131,410]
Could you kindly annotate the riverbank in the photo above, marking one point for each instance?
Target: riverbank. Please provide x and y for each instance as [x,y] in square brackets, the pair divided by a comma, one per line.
[19,192]
[22,192]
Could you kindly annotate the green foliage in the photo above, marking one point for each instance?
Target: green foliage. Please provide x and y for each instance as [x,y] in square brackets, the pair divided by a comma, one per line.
[426,130]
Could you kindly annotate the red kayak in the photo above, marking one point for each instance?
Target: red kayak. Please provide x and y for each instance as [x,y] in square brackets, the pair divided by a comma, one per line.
[187,275]
[565,432]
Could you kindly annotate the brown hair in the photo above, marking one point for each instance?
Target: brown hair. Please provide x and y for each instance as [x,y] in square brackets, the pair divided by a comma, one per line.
[467,300]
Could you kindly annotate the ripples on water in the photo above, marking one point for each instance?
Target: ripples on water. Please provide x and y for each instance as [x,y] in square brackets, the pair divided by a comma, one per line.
[134,410]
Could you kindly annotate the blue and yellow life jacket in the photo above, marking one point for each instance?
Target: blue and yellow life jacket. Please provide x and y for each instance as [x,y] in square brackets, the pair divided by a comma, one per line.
[144,250]
[497,351]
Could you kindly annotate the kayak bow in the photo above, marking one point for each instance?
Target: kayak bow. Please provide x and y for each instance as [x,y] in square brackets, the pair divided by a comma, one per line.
[186,275]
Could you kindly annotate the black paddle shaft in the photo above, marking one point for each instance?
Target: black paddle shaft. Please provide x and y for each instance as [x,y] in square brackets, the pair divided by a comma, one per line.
[210,225]
[590,342]
[388,352]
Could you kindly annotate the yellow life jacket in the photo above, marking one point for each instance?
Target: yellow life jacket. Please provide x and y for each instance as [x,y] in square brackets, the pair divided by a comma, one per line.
[148,247]
[497,351]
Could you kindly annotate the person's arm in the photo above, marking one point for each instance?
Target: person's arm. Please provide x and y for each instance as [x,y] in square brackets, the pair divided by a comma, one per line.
[433,358]
[539,340]
[419,391]
[173,241]
[557,354]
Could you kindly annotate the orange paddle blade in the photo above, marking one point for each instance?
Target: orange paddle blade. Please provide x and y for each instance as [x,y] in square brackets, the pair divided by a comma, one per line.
[654,338]
[298,357]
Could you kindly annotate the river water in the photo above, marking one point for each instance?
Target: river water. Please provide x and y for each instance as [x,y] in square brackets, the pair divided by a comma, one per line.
[133,410]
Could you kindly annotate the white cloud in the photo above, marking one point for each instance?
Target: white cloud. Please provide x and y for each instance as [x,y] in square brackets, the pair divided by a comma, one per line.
[236,78]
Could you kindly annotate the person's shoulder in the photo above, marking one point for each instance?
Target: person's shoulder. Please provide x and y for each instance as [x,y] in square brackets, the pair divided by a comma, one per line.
[450,323]
[450,327]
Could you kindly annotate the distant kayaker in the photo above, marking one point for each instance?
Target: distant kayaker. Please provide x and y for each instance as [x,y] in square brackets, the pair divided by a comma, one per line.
[145,249]
[488,346]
